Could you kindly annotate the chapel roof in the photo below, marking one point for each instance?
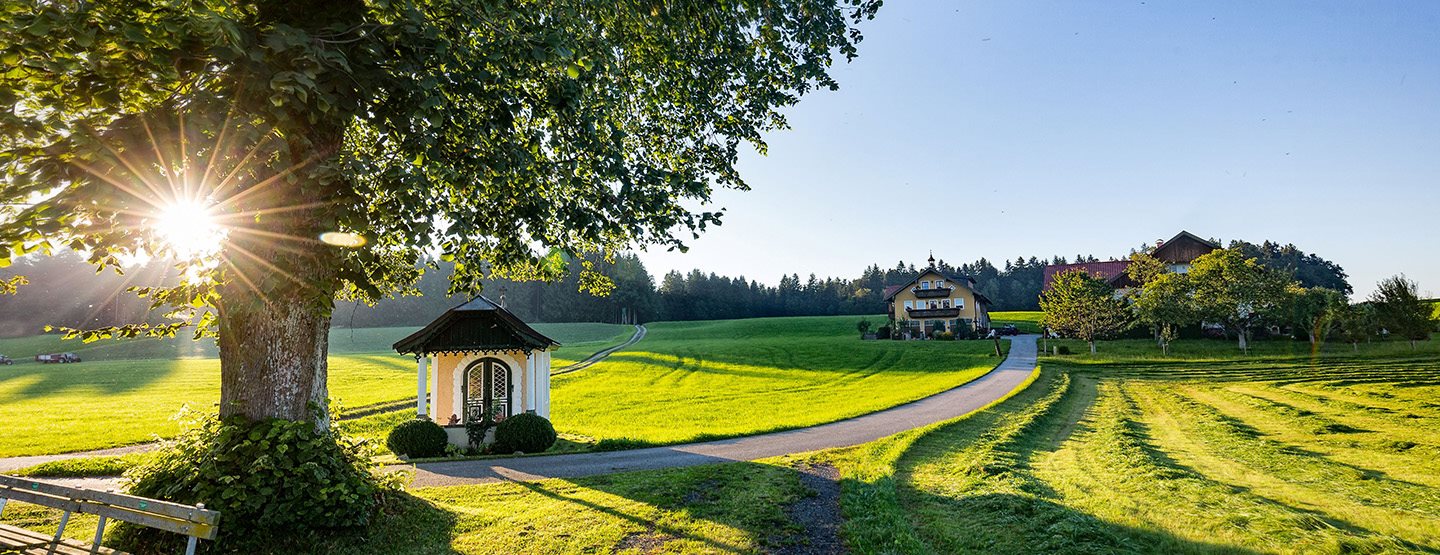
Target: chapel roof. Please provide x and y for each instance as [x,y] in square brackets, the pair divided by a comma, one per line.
[478,325]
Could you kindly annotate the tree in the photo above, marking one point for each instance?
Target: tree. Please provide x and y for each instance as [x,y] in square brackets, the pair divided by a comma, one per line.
[1398,308]
[478,129]
[1313,309]
[1235,292]
[1309,269]
[863,326]
[1083,306]
[1357,322]
[1165,304]
[289,153]
[1144,268]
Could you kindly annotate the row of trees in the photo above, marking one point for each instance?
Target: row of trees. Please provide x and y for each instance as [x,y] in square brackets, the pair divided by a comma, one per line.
[65,293]
[1234,292]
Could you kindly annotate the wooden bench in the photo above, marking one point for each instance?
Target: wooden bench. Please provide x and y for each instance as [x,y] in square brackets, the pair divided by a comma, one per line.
[193,521]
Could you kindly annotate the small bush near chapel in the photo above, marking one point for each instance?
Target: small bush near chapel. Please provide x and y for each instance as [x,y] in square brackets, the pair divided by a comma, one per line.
[527,433]
[418,438]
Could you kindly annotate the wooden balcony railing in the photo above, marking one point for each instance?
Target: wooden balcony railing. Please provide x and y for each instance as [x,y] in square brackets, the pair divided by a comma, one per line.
[937,293]
[921,313]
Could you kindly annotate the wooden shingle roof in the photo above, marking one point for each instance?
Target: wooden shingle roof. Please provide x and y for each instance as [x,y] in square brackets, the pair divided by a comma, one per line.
[479,325]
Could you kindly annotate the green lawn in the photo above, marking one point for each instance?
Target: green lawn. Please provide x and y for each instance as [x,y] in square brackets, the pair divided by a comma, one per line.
[685,381]
[1327,455]
[1026,321]
[127,392]
[1219,455]
[694,380]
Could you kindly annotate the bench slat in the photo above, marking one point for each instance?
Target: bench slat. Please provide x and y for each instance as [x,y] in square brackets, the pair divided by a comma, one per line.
[162,522]
[174,510]
[42,499]
[20,540]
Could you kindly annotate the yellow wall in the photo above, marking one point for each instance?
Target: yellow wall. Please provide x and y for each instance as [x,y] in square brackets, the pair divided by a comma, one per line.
[959,290]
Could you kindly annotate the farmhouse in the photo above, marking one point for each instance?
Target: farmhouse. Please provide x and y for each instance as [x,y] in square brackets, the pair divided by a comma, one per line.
[482,362]
[933,302]
[1177,254]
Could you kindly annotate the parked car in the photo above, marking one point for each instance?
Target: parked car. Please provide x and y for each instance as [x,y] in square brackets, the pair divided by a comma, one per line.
[1007,329]
[6,360]
[57,358]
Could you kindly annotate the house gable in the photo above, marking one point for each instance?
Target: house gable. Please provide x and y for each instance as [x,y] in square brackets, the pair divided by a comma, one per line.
[1183,248]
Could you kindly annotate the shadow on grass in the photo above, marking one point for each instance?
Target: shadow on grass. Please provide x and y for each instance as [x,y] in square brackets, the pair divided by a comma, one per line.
[109,377]
[1011,523]
[736,507]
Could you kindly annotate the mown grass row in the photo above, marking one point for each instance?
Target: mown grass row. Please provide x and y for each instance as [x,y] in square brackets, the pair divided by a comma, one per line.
[1347,496]
[1118,470]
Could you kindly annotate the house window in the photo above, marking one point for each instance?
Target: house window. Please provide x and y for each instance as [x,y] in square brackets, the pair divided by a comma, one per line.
[945,303]
[924,285]
[909,305]
[960,304]
[939,284]
[933,304]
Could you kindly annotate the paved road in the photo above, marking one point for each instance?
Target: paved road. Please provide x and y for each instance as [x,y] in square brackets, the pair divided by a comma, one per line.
[862,429]
[597,357]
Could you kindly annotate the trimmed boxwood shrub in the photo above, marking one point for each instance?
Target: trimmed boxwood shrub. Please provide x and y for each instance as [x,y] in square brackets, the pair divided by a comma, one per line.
[528,433]
[418,438]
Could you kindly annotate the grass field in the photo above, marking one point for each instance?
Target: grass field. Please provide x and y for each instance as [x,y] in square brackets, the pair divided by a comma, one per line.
[1221,455]
[694,380]
[1026,321]
[684,381]
[1330,456]
[127,391]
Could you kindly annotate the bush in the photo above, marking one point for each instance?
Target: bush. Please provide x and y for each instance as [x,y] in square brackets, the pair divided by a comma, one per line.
[418,438]
[883,332]
[529,433]
[1064,350]
[963,331]
[945,336]
[275,482]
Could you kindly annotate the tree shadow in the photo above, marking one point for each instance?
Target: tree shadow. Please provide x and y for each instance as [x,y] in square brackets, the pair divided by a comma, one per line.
[697,508]
[1013,523]
[108,377]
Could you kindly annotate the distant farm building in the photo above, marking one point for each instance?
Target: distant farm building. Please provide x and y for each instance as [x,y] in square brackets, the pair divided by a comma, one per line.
[1177,254]
[934,302]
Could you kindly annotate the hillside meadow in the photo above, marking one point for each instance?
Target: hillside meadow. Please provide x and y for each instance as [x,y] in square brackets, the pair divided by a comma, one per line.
[1222,453]
[685,381]
[127,392]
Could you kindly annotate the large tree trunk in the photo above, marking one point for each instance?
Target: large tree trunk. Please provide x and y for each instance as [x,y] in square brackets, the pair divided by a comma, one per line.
[1092,346]
[273,362]
[1244,345]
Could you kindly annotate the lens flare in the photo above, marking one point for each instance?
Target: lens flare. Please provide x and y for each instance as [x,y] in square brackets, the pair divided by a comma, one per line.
[189,230]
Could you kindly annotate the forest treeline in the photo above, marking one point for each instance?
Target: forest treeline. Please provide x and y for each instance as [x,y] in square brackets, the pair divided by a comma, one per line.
[65,291]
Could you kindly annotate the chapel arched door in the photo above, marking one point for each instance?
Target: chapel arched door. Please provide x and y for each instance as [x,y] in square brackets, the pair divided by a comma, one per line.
[487,390]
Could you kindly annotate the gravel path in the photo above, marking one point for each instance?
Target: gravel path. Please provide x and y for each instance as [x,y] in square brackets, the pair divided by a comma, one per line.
[862,429]
[597,357]
[13,463]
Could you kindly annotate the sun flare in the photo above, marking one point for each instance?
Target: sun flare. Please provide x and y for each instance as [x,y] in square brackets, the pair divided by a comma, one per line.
[189,230]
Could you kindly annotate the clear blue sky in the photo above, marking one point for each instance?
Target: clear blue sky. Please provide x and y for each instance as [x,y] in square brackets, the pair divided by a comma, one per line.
[1001,129]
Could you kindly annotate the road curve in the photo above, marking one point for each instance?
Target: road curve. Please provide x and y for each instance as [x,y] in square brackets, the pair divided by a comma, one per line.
[862,429]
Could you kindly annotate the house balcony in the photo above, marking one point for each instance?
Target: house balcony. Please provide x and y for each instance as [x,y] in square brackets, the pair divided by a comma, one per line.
[932,313]
[937,293]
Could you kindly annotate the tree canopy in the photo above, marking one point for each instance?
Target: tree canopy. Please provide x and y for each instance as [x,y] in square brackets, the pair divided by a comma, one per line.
[1398,308]
[482,129]
[1235,291]
[498,135]
[1085,307]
